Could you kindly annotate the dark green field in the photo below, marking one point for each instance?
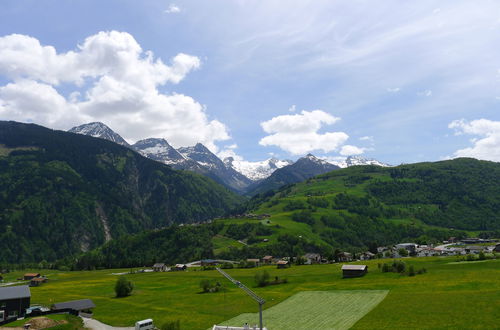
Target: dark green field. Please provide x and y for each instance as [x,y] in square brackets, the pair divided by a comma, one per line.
[450,295]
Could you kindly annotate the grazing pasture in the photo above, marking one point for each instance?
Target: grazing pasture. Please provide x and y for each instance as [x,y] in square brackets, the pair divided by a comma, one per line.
[326,310]
[460,295]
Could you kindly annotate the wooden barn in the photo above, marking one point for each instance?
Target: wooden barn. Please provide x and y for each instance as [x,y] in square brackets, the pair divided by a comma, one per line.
[30,276]
[354,270]
[76,306]
[13,302]
[283,264]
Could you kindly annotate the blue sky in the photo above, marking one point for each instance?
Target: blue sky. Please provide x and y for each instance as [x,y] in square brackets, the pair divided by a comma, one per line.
[397,81]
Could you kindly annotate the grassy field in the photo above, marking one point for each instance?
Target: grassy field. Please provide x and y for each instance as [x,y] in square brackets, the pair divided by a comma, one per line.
[325,310]
[450,295]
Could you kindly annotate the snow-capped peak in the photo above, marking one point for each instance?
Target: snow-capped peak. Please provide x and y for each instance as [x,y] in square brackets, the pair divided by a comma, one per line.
[356,160]
[99,130]
[256,170]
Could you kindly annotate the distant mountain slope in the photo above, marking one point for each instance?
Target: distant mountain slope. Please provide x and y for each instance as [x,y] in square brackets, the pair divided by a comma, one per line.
[160,150]
[216,169]
[358,160]
[99,130]
[61,193]
[303,169]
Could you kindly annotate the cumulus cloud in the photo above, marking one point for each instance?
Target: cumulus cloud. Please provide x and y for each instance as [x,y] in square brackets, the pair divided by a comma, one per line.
[349,150]
[426,93]
[113,80]
[173,9]
[298,134]
[485,144]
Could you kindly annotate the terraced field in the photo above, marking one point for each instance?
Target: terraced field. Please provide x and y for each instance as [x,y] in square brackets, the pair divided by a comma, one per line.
[316,310]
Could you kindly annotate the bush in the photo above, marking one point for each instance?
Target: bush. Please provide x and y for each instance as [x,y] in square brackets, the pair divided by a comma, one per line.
[262,278]
[208,286]
[411,271]
[470,257]
[123,287]
[482,256]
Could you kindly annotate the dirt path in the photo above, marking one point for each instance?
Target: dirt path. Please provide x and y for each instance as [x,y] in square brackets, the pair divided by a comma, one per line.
[96,325]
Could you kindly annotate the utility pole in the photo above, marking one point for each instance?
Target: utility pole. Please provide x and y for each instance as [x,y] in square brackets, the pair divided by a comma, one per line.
[249,292]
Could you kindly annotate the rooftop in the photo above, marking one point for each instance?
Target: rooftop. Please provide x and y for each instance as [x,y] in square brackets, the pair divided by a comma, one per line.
[13,292]
[76,305]
[354,267]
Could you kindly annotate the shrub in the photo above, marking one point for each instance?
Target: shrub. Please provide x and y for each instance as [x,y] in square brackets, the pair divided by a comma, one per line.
[411,271]
[262,278]
[123,287]
[470,257]
[210,286]
[482,256]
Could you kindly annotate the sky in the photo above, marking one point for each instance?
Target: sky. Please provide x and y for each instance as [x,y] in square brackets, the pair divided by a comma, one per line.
[398,81]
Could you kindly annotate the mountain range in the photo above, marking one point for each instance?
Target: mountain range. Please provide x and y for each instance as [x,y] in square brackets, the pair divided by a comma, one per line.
[63,193]
[247,178]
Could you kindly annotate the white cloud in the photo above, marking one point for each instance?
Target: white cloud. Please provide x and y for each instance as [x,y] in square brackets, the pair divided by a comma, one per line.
[367,138]
[173,9]
[426,93]
[293,108]
[486,146]
[298,134]
[114,81]
[349,150]
[393,90]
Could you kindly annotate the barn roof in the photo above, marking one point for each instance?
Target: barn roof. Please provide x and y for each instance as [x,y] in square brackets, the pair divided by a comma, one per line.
[354,267]
[77,305]
[13,292]
[32,274]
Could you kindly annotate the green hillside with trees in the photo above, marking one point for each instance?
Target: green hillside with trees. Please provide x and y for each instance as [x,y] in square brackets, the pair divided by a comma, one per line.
[361,207]
[63,193]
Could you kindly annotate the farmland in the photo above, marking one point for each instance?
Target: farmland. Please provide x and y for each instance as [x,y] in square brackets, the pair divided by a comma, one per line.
[449,295]
[317,310]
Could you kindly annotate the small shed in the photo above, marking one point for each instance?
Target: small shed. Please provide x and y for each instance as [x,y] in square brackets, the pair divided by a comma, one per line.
[76,306]
[13,301]
[179,267]
[267,259]
[283,264]
[159,267]
[496,248]
[354,270]
[366,255]
[30,276]
[37,281]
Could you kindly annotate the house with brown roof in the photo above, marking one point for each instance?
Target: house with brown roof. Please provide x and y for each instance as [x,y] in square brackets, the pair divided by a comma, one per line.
[37,281]
[267,260]
[30,276]
[283,264]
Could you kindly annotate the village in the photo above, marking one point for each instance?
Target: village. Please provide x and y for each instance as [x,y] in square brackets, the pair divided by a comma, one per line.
[15,298]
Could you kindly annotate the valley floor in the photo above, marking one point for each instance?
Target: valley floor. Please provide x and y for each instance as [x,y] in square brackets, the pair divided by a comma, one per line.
[450,295]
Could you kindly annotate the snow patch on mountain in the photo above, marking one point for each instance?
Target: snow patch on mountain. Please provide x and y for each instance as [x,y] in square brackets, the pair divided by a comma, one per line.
[99,130]
[256,170]
[354,161]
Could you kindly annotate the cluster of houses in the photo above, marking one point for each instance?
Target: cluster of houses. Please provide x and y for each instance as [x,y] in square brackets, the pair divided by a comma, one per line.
[449,248]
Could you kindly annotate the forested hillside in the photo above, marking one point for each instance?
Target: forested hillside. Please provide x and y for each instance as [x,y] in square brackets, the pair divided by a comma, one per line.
[365,206]
[63,193]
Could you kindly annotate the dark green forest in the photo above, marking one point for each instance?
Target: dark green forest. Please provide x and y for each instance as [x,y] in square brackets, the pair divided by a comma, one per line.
[63,193]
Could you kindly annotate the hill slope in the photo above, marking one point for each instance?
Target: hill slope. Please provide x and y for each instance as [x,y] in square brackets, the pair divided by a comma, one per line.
[364,206]
[62,193]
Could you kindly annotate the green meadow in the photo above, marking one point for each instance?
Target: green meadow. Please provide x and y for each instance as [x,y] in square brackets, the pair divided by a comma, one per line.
[450,295]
